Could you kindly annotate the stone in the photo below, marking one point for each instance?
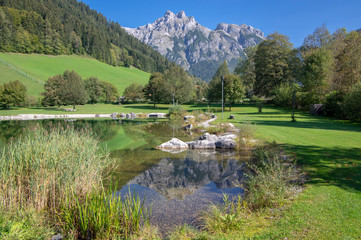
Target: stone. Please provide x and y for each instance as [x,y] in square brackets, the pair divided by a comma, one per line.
[114,115]
[188,127]
[174,143]
[202,144]
[209,137]
[227,142]
[57,237]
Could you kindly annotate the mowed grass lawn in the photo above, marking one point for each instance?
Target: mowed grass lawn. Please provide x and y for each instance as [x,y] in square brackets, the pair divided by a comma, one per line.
[40,67]
[328,150]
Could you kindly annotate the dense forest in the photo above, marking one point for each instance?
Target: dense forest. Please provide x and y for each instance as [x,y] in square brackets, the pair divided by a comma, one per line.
[70,27]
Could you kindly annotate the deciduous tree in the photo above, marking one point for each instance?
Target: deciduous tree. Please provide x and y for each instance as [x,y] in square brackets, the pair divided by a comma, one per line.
[12,94]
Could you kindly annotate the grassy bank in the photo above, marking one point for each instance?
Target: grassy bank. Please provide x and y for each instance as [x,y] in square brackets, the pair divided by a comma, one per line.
[329,151]
[34,69]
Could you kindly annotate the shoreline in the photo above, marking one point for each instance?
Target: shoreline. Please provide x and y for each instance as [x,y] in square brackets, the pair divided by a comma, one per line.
[25,117]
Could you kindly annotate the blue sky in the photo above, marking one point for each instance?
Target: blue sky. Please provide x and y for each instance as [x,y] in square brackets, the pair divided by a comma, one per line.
[294,18]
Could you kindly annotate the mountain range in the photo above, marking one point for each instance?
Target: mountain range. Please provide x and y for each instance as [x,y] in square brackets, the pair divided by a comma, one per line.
[197,48]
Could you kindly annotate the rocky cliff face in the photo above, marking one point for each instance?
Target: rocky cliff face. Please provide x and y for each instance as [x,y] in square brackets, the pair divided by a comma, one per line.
[197,48]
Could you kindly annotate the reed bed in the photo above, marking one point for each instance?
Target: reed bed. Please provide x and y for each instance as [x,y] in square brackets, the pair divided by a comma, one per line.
[104,215]
[37,170]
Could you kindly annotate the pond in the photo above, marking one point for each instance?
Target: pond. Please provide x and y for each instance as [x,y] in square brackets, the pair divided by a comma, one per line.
[175,186]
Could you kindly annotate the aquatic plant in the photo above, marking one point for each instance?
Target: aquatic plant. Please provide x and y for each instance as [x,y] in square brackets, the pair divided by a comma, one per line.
[103,215]
[37,170]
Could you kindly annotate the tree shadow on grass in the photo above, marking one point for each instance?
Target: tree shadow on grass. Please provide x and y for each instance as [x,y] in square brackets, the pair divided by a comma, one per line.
[336,166]
[326,125]
[146,107]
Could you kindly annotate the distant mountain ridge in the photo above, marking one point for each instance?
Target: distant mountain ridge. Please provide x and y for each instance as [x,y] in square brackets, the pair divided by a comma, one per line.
[197,48]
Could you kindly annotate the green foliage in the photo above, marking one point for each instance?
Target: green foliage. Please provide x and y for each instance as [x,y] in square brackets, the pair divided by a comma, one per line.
[133,92]
[103,215]
[215,85]
[348,62]
[12,94]
[246,69]
[23,224]
[155,89]
[65,89]
[179,85]
[272,63]
[233,89]
[332,106]
[94,89]
[74,89]
[110,92]
[283,96]
[351,105]
[175,110]
[67,27]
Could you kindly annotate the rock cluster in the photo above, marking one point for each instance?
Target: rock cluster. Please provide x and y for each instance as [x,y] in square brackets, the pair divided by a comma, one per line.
[207,141]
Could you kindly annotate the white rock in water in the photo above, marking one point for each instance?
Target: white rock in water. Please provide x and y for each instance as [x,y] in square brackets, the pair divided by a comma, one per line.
[202,144]
[174,143]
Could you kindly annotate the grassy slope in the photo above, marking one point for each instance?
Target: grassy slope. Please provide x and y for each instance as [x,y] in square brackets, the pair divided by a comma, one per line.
[41,67]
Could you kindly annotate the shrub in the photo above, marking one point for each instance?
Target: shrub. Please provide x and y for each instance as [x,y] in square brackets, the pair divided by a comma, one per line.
[333,104]
[283,96]
[176,110]
[351,105]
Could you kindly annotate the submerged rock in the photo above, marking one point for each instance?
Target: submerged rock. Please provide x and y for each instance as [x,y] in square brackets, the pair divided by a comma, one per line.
[174,143]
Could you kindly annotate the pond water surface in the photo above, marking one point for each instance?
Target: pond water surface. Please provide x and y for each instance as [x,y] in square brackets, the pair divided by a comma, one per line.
[176,186]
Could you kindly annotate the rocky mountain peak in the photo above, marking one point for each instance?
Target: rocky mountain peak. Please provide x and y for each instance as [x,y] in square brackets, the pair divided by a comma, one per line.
[195,47]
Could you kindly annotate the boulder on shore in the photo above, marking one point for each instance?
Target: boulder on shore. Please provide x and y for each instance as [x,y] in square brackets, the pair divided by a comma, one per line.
[202,144]
[174,143]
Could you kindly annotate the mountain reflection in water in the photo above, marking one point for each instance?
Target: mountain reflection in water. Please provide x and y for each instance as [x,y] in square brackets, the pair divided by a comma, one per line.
[177,189]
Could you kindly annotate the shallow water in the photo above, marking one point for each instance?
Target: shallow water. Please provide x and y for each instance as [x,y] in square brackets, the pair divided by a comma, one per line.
[175,186]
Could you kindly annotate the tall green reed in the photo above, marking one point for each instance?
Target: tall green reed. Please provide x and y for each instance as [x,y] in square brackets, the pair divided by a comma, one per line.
[37,170]
[104,215]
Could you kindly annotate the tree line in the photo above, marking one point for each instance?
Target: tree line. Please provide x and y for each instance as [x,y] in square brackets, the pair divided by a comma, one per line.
[64,89]
[70,27]
[326,69]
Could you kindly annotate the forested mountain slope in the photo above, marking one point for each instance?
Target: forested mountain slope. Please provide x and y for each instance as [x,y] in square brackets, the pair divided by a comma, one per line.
[57,27]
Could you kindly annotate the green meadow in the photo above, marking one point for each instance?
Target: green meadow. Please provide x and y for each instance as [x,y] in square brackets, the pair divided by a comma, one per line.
[34,69]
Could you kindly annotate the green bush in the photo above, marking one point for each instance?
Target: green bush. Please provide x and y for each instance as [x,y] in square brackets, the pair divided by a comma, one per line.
[176,110]
[351,106]
[333,104]
[283,96]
